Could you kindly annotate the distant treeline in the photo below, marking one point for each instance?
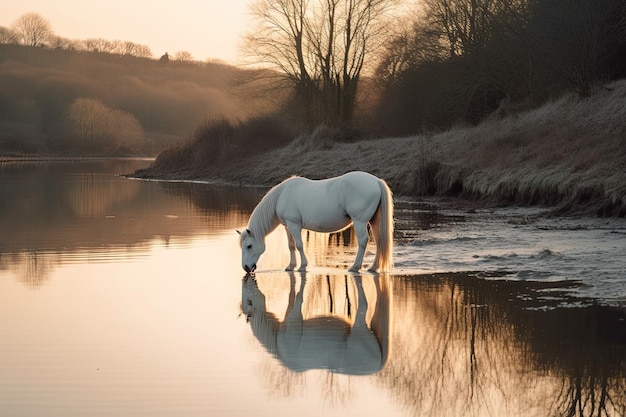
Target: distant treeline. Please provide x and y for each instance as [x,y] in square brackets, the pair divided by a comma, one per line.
[32,29]
[460,60]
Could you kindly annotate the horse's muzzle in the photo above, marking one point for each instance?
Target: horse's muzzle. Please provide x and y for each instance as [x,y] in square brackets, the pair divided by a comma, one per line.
[248,269]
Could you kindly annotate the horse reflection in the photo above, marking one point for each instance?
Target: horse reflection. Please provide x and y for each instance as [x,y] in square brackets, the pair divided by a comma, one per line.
[327,341]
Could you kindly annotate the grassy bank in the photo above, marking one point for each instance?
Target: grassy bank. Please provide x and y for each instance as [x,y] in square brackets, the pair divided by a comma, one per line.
[570,154]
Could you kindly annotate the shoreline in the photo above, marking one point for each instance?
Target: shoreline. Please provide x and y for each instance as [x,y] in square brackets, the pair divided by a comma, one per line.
[58,158]
[460,185]
[568,155]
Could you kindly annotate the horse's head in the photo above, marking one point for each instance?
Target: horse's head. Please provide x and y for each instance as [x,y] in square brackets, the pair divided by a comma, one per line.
[251,249]
[251,298]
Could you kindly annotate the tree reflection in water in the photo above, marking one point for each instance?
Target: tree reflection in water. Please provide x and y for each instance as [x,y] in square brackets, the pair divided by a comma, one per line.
[469,346]
[31,268]
[55,213]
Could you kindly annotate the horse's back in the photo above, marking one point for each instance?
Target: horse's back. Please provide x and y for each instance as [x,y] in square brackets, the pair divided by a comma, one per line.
[354,194]
[328,342]
[359,178]
[351,185]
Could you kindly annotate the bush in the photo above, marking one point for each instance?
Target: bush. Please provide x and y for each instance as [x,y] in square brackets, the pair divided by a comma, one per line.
[219,141]
[91,126]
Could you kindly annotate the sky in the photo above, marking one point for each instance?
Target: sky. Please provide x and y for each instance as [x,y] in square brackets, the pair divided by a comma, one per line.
[209,29]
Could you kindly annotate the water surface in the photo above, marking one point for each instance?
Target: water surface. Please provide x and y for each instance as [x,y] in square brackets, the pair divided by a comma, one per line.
[124,297]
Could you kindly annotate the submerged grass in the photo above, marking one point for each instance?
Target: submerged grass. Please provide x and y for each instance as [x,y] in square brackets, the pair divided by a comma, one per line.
[570,153]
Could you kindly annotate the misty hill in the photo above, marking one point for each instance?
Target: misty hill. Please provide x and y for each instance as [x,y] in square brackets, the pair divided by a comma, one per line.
[127,105]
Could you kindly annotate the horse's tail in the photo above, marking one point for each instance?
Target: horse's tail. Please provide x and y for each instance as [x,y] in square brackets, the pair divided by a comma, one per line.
[384,240]
[381,319]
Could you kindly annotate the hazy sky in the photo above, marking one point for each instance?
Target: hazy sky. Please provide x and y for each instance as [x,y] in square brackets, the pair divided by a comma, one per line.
[206,28]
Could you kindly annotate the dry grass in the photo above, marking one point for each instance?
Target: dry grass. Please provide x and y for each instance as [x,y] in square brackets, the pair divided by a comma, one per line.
[569,153]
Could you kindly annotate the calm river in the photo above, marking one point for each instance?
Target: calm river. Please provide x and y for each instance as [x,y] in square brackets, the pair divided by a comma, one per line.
[121,297]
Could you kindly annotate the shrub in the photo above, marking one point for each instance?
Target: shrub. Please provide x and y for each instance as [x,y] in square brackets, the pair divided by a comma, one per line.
[93,127]
[219,141]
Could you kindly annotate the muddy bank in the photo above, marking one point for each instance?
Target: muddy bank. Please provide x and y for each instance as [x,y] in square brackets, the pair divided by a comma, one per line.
[569,154]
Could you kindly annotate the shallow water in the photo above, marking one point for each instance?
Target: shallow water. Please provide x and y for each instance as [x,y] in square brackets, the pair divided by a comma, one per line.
[526,244]
[123,297]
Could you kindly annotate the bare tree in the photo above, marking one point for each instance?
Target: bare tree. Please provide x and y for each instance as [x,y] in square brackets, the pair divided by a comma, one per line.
[320,46]
[33,30]
[135,49]
[97,45]
[277,42]
[58,42]
[571,36]
[8,36]
[464,24]
[411,44]
[183,56]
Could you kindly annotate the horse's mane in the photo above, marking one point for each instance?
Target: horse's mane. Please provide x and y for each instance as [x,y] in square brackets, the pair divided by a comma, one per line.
[263,219]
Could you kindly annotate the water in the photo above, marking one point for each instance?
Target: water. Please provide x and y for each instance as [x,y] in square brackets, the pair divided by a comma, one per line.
[518,243]
[123,297]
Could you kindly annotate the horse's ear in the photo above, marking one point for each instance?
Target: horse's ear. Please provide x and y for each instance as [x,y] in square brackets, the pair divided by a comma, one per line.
[238,232]
[249,232]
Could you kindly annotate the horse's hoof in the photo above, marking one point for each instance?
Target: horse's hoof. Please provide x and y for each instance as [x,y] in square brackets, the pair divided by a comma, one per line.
[289,268]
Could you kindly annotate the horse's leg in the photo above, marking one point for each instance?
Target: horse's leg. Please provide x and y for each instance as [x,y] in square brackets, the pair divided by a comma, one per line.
[361,307]
[292,324]
[363,350]
[360,228]
[292,251]
[292,293]
[295,230]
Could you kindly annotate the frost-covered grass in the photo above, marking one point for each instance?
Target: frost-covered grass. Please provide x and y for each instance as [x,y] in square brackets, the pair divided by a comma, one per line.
[570,153]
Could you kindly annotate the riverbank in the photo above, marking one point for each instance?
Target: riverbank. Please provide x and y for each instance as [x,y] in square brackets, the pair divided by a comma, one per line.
[569,154]
[21,158]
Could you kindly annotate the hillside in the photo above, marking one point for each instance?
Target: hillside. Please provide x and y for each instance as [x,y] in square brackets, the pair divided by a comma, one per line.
[569,154]
[164,100]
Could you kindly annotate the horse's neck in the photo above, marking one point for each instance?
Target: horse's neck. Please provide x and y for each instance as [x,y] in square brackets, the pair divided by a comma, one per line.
[265,327]
[263,219]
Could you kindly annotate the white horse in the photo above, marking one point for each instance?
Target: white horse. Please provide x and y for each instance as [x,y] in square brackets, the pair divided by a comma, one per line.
[323,342]
[325,206]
